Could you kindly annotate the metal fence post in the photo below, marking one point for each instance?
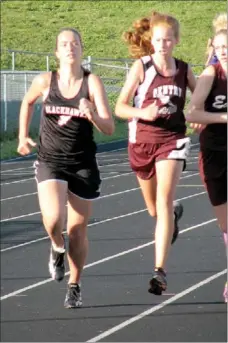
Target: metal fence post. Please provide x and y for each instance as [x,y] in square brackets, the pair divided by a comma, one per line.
[26,83]
[47,63]
[89,62]
[5,101]
[127,68]
[13,60]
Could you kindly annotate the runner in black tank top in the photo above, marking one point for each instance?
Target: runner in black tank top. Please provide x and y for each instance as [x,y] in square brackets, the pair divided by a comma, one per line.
[157,147]
[66,136]
[66,170]
[208,107]
[66,142]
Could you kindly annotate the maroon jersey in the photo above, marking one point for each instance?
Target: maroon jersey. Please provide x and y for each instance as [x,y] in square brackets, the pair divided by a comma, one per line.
[214,136]
[168,93]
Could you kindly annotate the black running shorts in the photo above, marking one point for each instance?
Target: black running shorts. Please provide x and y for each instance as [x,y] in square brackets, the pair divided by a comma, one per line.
[83,181]
[213,172]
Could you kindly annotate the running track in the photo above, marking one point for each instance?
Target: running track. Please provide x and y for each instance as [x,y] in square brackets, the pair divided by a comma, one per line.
[116,304]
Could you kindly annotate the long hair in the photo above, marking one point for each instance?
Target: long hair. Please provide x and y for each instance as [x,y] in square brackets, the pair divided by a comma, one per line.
[139,37]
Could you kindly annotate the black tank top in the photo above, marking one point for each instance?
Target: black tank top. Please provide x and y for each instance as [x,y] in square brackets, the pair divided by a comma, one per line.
[214,136]
[66,137]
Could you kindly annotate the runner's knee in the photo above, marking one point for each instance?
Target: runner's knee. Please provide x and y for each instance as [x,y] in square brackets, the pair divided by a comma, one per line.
[53,222]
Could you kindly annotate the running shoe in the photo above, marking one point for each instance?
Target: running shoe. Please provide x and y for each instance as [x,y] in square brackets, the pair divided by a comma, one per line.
[158,283]
[178,212]
[73,297]
[56,264]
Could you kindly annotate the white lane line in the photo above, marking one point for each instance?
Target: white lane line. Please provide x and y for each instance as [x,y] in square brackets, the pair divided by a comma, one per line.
[192,158]
[16,159]
[157,307]
[190,186]
[18,196]
[186,177]
[111,165]
[101,197]
[125,252]
[192,162]
[104,178]
[9,161]
[32,178]
[13,170]
[96,223]
[19,173]
[103,166]
[19,181]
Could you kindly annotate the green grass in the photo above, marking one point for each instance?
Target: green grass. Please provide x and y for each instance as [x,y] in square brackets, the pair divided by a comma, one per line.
[9,143]
[33,25]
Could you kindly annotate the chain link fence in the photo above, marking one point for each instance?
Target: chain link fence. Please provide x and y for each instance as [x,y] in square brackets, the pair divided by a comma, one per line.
[14,85]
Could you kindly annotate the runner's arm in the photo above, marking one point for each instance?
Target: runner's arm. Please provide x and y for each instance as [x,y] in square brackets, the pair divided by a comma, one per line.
[195,111]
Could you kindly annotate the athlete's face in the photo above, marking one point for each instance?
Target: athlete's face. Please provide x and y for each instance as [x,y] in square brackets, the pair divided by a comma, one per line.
[163,40]
[69,48]
[220,46]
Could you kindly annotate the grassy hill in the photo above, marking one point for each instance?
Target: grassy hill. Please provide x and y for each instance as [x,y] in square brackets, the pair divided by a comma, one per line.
[32,26]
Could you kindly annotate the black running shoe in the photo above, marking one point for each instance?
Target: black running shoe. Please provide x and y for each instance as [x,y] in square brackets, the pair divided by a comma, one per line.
[73,297]
[158,283]
[56,265]
[178,212]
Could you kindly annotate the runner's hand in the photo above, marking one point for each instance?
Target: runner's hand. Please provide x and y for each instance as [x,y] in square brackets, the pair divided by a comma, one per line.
[197,127]
[25,145]
[149,113]
[87,108]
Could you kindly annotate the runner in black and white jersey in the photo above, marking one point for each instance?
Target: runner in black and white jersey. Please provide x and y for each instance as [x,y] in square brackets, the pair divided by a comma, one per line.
[208,111]
[74,101]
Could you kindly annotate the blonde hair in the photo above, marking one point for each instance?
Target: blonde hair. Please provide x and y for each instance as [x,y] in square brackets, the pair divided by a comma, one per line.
[139,37]
[220,22]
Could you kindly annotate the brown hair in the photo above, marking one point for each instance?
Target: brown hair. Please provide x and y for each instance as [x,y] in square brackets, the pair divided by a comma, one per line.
[85,71]
[139,39]
[67,29]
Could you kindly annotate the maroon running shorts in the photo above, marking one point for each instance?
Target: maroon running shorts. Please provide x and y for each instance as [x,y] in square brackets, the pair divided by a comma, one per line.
[143,156]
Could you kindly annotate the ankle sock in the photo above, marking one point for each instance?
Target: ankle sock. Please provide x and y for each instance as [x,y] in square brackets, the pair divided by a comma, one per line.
[61,250]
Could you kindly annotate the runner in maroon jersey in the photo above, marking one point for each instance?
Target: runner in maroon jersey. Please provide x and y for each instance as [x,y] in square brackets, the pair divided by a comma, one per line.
[208,107]
[158,145]
[66,169]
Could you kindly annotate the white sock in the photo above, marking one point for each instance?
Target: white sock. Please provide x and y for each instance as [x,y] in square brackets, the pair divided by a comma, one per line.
[61,250]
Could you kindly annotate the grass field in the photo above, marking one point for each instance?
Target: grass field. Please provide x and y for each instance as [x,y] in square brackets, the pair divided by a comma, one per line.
[32,26]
